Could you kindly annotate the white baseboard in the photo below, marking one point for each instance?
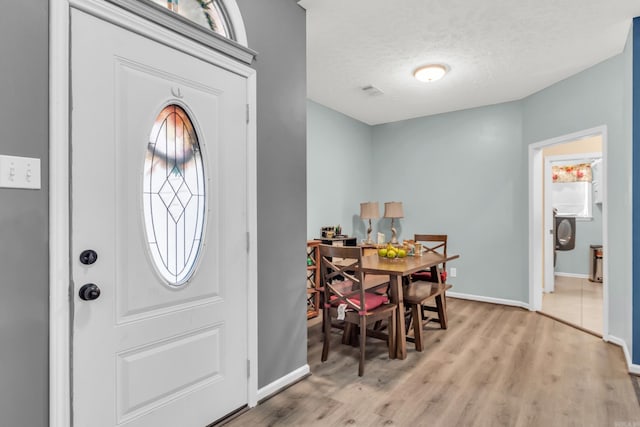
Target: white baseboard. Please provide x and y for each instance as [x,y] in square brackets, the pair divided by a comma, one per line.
[576,275]
[479,298]
[633,369]
[283,382]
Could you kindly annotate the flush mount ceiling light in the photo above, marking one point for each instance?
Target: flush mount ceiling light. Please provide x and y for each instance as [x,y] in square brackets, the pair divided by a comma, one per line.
[430,73]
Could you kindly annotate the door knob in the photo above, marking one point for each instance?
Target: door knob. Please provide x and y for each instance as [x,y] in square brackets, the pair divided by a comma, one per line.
[89,292]
[88,257]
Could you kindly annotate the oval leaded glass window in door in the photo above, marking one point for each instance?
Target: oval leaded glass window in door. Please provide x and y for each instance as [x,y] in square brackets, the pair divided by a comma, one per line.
[174,195]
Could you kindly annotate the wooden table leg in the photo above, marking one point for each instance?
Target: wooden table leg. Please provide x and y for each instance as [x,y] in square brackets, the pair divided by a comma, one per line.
[441,302]
[396,295]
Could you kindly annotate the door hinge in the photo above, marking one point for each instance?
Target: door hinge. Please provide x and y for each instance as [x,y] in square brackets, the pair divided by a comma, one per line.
[248,113]
[248,368]
[248,242]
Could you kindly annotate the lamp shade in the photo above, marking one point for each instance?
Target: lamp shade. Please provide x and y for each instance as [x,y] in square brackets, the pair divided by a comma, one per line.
[393,210]
[369,210]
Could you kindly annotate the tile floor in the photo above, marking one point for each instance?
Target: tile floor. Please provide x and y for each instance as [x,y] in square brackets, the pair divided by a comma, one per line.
[577,301]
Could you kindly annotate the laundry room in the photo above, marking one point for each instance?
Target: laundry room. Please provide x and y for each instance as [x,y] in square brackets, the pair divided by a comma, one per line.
[573,194]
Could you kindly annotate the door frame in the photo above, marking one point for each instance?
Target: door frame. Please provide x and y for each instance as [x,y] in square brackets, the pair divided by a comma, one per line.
[536,219]
[60,394]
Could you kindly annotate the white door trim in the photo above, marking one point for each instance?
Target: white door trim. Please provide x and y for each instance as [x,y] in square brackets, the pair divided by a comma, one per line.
[59,198]
[59,274]
[536,219]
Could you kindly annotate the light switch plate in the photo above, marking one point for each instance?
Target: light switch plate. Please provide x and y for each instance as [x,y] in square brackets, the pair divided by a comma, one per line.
[19,172]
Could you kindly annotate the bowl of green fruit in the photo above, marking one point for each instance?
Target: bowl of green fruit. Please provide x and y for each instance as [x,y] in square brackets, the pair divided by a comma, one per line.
[392,252]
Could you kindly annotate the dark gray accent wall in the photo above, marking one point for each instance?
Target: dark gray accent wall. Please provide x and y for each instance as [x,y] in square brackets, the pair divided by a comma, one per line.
[24,233]
[276,29]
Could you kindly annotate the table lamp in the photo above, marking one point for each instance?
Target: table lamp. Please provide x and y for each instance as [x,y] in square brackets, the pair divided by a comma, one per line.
[369,210]
[393,210]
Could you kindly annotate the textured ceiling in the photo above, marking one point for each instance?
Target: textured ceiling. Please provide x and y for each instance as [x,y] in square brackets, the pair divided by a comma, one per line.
[498,50]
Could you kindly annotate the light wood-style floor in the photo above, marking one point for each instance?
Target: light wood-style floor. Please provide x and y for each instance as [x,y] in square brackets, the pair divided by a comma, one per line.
[577,301]
[494,366]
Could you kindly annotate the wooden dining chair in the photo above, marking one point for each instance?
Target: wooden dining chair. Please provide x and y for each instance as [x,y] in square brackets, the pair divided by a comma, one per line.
[418,296]
[436,243]
[345,298]
[425,292]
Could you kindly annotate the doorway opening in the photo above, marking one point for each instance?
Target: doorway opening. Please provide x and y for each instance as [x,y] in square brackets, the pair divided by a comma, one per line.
[563,283]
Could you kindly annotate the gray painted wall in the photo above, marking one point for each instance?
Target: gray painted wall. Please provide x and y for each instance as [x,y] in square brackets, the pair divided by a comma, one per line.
[475,170]
[277,31]
[600,95]
[463,174]
[340,149]
[339,165]
[24,289]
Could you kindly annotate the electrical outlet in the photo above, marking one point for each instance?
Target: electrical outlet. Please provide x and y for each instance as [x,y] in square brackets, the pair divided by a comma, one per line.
[453,271]
[19,172]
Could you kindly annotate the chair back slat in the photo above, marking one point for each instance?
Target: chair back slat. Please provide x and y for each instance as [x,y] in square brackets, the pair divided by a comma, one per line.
[436,243]
[340,268]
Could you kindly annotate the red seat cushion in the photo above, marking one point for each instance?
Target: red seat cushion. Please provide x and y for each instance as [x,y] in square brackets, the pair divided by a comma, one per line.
[426,276]
[371,300]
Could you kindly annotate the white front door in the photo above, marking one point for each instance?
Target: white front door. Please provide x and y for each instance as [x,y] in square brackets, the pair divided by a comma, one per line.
[159,194]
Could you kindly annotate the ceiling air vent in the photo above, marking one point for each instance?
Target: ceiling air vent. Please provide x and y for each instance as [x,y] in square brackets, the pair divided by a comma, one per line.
[371,90]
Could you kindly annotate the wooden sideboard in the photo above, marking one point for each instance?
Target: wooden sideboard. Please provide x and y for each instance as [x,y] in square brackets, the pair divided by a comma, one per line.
[339,241]
[313,278]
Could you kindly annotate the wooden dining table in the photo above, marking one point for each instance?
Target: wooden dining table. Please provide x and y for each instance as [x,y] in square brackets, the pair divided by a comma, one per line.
[396,269]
